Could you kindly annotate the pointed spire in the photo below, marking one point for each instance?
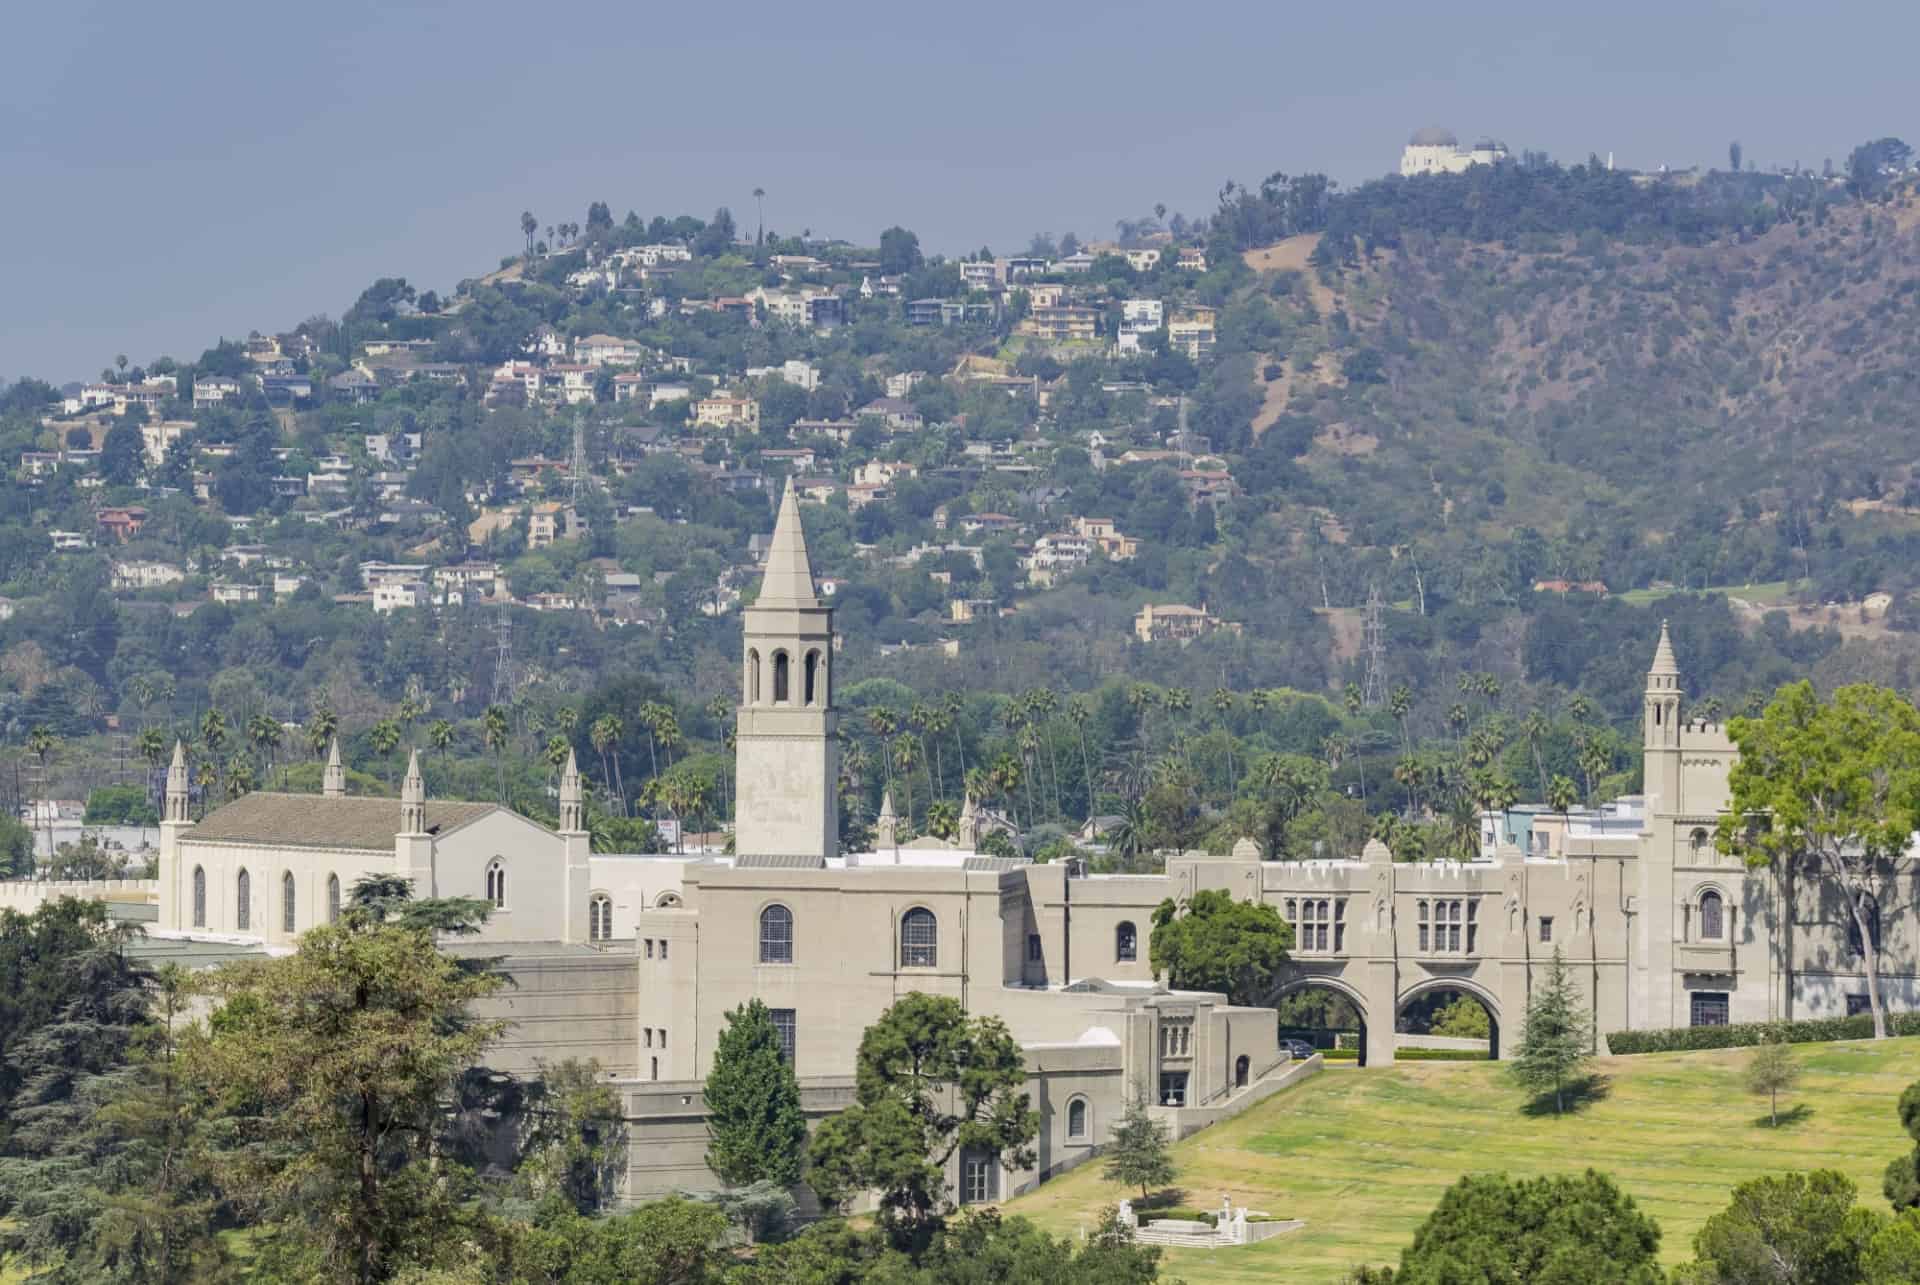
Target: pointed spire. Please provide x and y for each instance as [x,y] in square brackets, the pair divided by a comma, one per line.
[967,833]
[573,810]
[177,796]
[886,807]
[886,826]
[1663,658]
[788,581]
[333,782]
[413,798]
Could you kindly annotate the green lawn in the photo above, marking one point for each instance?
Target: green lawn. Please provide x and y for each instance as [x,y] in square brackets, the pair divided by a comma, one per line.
[1758,594]
[1363,1155]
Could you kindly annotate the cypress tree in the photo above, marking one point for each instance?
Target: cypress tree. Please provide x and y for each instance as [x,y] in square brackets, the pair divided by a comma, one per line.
[753,1103]
[1555,1043]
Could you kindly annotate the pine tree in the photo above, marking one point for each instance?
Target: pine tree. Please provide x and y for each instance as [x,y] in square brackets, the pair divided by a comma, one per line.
[1555,1043]
[753,1103]
[1139,1154]
[1770,1070]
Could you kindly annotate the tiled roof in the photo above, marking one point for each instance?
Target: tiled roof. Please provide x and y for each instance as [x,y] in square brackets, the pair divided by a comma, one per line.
[315,821]
[777,861]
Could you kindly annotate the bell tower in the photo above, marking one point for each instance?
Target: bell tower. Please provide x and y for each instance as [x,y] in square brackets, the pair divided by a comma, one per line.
[786,758]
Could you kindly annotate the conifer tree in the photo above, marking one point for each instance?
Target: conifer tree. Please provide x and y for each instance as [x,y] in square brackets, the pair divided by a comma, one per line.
[1556,1042]
[753,1103]
[1902,1183]
[1139,1154]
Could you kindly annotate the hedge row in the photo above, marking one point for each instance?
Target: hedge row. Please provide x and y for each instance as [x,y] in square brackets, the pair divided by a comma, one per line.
[1210,1218]
[1440,1055]
[1680,1039]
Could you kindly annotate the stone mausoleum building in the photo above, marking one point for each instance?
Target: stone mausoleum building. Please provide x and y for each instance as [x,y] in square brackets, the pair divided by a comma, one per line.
[636,960]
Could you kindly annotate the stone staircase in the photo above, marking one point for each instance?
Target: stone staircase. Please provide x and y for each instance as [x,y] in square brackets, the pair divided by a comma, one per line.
[1183,1236]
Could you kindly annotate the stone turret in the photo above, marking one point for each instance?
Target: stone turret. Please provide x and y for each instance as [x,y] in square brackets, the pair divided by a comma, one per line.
[886,826]
[573,807]
[177,792]
[1660,738]
[413,798]
[577,849]
[333,782]
[967,832]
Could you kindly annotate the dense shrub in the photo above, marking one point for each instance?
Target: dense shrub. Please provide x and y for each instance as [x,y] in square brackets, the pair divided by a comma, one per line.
[1440,1055]
[1743,1035]
[1211,1219]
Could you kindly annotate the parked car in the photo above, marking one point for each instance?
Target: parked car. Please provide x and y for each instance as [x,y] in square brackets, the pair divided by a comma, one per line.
[1297,1049]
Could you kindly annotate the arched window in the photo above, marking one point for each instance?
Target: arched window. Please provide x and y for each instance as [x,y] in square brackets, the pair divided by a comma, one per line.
[1870,906]
[781,692]
[497,884]
[1126,944]
[243,898]
[809,677]
[776,935]
[1240,1069]
[919,939]
[1077,1118]
[199,897]
[600,917]
[753,678]
[333,899]
[286,902]
[1699,844]
[1713,919]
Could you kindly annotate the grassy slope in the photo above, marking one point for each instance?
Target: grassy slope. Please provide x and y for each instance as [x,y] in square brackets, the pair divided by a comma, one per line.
[1363,1155]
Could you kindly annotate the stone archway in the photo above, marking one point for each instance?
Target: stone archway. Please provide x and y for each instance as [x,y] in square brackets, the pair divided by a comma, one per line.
[1472,990]
[1338,987]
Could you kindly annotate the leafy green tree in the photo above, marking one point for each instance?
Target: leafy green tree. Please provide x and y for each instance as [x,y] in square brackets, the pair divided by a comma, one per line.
[16,848]
[1790,1228]
[122,455]
[754,1123]
[1463,1018]
[1772,1070]
[336,1064]
[928,1082]
[574,1143]
[977,1248]
[1902,1183]
[1556,1040]
[664,1242]
[1558,1230]
[899,252]
[1211,942]
[1832,788]
[1139,1154]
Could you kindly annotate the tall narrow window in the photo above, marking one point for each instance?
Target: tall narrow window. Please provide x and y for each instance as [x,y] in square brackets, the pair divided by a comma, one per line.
[243,899]
[1340,926]
[809,676]
[1453,927]
[753,678]
[1126,944]
[1712,917]
[786,1028]
[1473,910]
[780,689]
[1421,913]
[287,916]
[600,917]
[333,899]
[919,939]
[199,897]
[1077,1119]
[496,884]
[1870,906]
[776,935]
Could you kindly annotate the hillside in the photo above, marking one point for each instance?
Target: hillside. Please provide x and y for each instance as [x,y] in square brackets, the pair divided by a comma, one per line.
[1363,1155]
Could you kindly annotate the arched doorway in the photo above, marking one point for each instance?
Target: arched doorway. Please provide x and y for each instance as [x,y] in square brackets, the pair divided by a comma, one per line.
[1447,1010]
[1321,1011]
[1241,1066]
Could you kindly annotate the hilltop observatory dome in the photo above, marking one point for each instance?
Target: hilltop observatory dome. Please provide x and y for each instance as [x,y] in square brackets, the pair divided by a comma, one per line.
[1433,136]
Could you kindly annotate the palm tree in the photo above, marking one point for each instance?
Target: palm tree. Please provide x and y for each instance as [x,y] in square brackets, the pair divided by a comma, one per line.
[264,735]
[1411,773]
[206,778]
[239,776]
[600,735]
[41,742]
[931,720]
[213,730]
[528,226]
[906,757]
[1534,728]
[383,736]
[440,737]
[566,718]
[1562,794]
[1131,836]
[496,731]
[1078,713]
[667,729]
[650,715]
[558,747]
[1400,704]
[943,819]
[1350,696]
[881,721]
[759,200]
[151,745]
[322,725]
[951,705]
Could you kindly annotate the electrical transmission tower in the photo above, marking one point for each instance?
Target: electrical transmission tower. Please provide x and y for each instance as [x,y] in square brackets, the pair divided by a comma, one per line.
[503,656]
[1374,643]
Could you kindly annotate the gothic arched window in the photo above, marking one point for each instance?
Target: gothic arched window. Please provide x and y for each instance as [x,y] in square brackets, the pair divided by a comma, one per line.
[919,939]
[776,935]
[243,897]
[781,684]
[1713,916]
[1077,1118]
[333,899]
[199,897]
[497,884]
[600,918]
[287,916]
[753,678]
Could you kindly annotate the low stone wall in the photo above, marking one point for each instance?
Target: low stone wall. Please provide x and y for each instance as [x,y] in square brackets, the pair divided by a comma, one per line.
[28,895]
[1440,1042]
[1183,1121]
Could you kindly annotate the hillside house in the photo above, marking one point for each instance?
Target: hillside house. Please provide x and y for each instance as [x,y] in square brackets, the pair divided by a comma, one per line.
[136,574]
[1173,622]
[122,523]
[727,413]
[608,350]
[899,415]
[211,390]
[553,521]
[1192,332]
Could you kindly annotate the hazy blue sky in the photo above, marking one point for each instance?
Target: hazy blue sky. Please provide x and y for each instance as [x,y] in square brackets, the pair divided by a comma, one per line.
[178,172]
